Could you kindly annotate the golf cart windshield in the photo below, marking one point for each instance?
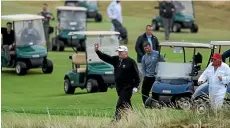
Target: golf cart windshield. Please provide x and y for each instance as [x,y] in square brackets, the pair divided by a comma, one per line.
[71,3]
[108,45]
[170,70]
[76,3]
[29,32]
[184,7]
[72,20]
[91,2]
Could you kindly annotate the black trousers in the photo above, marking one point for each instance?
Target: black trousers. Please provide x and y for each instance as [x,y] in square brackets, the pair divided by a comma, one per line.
[124,101]
[146,87]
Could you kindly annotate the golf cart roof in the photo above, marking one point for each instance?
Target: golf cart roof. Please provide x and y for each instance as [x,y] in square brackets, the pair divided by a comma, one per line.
[71,8]
[222,43]
[186,44]
[94,33]
[20,17]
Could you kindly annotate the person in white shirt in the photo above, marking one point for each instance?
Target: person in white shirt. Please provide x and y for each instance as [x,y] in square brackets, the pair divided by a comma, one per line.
[217,74]
[114,11]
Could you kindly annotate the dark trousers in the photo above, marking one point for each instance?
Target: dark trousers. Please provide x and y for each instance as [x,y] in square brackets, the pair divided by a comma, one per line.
[225,55]
[146,87]
[124,101]
[6,49]
[167,26]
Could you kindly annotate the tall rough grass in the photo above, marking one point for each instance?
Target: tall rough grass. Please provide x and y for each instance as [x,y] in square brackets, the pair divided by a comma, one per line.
[139,118]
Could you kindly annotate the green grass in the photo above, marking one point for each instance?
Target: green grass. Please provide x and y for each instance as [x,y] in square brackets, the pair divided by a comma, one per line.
[147,118]
[36,92]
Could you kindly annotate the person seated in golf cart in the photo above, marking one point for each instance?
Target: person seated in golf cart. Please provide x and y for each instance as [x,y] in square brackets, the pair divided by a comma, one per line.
[197,62]
[30,34]
[8,40]
[225,55]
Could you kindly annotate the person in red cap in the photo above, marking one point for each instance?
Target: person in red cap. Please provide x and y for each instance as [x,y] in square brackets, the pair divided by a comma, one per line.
[217,75]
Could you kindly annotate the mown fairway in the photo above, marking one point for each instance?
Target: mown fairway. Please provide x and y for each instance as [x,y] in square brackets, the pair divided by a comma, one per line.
[36,92]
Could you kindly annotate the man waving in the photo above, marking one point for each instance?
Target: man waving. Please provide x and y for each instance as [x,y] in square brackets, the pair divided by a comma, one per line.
[126,76]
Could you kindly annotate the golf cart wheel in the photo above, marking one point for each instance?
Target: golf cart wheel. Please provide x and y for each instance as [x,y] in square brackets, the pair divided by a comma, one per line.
[98,17]
[67,87]
[61,46]
[176,27]
[150,103]
[21,68]
[194,28]
[201,106]
[53,44]
[103,87]
[155,26]
[183,103]
[92,85]
[47,67]
[54,48]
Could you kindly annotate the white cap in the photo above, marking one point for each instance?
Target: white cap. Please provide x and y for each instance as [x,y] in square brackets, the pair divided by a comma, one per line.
[122,48]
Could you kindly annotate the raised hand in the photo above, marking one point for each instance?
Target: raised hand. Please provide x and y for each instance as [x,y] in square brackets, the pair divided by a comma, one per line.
[96,46]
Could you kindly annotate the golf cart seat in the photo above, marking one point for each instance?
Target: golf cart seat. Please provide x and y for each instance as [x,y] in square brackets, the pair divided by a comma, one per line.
[79,59]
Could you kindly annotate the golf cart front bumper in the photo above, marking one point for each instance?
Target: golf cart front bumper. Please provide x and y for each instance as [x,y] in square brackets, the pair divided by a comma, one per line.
[36,62]
[75,43]
[187,24]
[166,91]
[91,13]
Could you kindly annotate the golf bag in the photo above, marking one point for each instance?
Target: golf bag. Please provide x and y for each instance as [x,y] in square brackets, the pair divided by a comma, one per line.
[119,28]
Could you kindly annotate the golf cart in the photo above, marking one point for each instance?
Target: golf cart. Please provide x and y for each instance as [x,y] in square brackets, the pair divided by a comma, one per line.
[174,83]
[201,97]
[183,18]
[91,5]
[70,19]
[29,51]
[88,70]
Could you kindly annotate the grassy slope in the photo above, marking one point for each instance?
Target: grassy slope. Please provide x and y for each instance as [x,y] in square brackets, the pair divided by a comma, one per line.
[36,91]
[147,118]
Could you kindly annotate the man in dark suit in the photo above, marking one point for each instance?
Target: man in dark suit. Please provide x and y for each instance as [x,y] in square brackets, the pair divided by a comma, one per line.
[8,40]
[167,10]
[141,40]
